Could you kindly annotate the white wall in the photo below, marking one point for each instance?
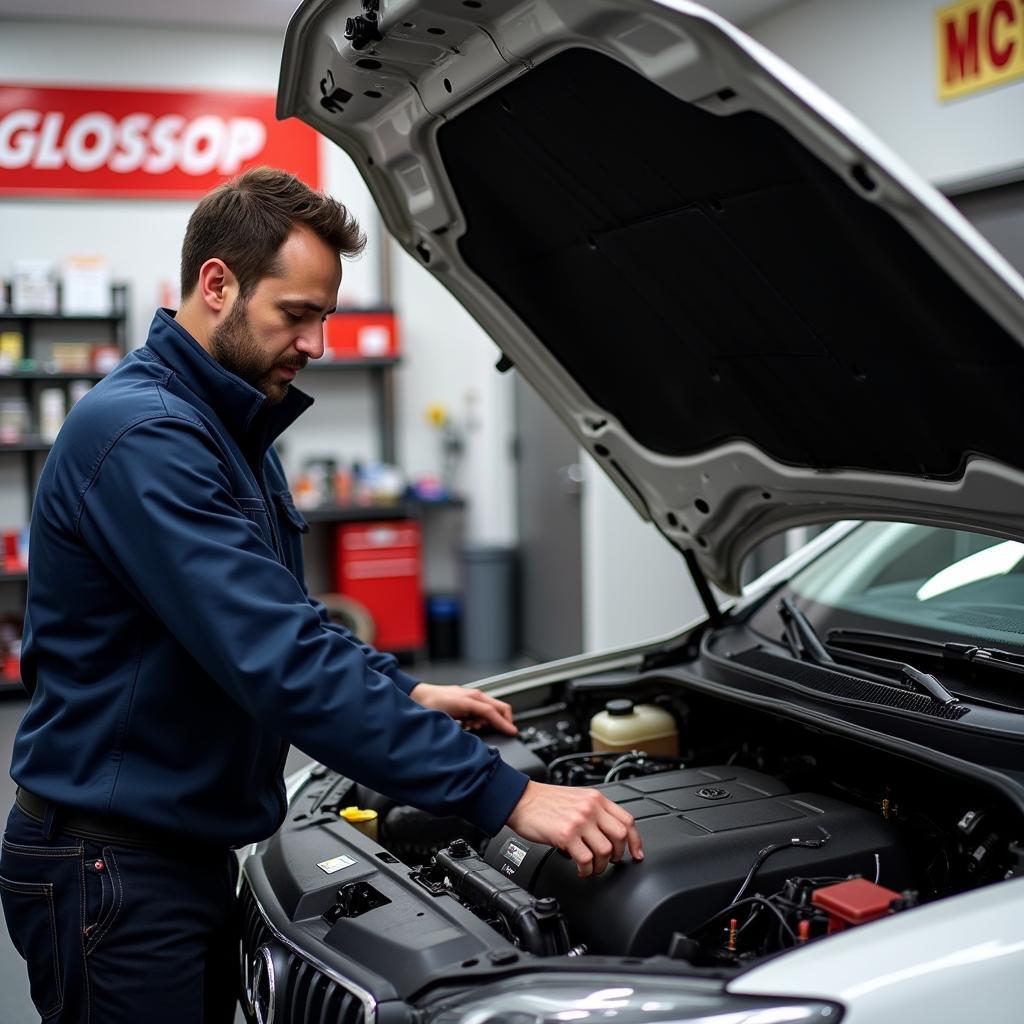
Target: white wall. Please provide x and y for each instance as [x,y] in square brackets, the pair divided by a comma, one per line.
[450,360]
[446,353]
[635,584]
[878,58]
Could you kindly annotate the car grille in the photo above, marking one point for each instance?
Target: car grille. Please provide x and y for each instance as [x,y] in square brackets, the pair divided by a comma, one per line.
[305,994]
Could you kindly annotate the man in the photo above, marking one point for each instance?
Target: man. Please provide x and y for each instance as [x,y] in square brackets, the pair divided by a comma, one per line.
[173,652]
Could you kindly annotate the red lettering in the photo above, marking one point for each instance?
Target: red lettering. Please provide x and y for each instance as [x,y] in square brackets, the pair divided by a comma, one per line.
[962,50]
[1003,10]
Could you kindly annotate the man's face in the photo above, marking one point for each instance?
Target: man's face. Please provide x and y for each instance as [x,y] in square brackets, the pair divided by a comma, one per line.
[269,338]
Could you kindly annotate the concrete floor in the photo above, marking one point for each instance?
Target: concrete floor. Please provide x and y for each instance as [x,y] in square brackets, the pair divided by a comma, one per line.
[15,1005]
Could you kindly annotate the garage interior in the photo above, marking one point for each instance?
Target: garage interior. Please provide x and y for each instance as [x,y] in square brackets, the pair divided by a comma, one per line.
[521,548]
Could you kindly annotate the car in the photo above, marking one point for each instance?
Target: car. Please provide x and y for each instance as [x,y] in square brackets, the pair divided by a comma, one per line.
[754,318]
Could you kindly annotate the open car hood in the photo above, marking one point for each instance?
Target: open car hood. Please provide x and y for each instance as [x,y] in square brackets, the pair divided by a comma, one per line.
[748,311]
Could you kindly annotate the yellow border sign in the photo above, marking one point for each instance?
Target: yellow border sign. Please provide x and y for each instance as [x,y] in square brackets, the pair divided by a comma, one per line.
[980,44]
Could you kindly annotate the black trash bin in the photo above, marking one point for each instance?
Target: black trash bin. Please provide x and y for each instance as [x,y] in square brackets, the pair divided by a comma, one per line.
[444,613]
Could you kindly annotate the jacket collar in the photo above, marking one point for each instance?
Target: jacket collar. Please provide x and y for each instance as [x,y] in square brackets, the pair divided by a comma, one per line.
[243,409]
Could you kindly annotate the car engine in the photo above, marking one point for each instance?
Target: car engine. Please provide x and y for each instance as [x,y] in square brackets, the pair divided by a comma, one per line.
[759,836]
[711,836]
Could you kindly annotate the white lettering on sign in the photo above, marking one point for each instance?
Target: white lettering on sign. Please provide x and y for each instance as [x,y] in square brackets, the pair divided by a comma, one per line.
[132,151]
[28,138]
[90,142]
[47,155]
[15,140]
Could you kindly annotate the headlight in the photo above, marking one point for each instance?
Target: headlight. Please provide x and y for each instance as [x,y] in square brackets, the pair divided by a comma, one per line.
[605,999]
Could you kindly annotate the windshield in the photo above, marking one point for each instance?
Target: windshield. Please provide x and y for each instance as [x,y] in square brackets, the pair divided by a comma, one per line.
[942,582]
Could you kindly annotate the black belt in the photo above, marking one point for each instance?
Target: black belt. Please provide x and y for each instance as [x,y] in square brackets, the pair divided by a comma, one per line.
[104,828]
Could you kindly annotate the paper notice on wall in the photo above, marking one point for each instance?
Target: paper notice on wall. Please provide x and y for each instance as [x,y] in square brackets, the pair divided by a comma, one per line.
[86,287]
[33,287]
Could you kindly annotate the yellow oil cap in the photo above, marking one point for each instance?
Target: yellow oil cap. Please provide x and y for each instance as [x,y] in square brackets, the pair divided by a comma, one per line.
[355,814]
[361,818]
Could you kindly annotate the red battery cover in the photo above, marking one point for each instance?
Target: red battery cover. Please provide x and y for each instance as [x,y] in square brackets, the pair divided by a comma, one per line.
[855,902]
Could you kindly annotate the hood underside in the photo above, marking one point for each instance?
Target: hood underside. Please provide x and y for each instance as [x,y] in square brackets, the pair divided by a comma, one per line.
[745,308]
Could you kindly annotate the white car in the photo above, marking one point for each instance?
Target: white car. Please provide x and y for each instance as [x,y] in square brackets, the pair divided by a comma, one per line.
[753,317]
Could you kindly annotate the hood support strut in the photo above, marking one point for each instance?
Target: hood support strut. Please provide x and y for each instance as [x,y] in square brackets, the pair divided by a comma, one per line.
[700,581]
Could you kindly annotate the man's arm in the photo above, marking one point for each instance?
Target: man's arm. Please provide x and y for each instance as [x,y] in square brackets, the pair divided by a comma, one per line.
[472,708]
[379,661]
[160,513]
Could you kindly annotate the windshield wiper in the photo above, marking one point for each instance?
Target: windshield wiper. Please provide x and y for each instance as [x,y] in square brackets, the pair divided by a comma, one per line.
[806,645]
[801,636]
[989,657]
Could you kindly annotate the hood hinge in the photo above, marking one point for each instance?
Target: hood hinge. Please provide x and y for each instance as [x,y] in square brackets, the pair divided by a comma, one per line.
[364,28]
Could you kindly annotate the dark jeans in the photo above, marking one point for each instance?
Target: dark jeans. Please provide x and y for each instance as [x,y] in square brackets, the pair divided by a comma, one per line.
[118,935]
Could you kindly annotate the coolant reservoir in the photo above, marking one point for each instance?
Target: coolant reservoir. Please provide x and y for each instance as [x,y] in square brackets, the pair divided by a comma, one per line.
[624,725]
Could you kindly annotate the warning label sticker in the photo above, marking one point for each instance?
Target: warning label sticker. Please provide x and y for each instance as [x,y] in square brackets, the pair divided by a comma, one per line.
[514,853]
[335,864]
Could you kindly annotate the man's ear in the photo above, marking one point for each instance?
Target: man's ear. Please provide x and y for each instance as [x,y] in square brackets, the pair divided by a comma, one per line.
[217,285]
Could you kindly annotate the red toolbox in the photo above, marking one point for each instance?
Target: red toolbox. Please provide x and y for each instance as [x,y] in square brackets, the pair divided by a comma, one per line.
[379,565]
[361,334]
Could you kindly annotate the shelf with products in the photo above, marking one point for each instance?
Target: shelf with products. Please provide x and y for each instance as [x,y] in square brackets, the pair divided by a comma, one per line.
[7,314]
[28,443]
[407,508]
[13,555]
[366,341]
[61,375]
[50,346]
[327,364]
[48,359]
[373,541]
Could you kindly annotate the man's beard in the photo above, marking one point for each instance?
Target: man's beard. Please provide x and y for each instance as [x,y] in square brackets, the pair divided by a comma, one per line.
[235,347]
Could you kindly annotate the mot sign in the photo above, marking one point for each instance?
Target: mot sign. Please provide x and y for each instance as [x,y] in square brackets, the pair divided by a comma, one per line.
[153,144]
[980,44]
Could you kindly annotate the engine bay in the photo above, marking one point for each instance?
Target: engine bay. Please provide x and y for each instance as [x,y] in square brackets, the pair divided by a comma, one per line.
[705,830]
[760,834]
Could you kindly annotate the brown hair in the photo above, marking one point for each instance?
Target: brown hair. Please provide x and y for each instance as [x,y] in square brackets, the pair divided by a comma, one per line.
[245,221]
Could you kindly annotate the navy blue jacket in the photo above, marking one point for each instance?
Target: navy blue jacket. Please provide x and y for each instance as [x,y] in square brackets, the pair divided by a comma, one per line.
[171,647]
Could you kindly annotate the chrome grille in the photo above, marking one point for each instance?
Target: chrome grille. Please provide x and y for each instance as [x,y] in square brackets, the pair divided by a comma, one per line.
[305,994]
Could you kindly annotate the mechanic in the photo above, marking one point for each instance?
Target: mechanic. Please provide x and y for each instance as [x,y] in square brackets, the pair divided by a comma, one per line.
[172,651]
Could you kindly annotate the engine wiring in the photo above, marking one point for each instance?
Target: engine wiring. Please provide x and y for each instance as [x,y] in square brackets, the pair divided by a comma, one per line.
[765,852]
[754,902]
[593,768]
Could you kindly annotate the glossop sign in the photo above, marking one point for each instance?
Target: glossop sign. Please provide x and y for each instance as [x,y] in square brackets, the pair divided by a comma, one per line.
[119,142]
[980,44]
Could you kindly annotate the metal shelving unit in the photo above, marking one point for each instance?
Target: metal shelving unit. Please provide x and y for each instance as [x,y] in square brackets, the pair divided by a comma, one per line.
[115,324]
[407,508]
[383,392]
[31,445]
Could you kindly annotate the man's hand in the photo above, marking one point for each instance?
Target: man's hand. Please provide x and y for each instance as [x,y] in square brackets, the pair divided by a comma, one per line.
[473,708]
[582,822]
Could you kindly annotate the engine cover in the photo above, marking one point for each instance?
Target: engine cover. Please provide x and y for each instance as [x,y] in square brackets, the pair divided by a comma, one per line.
[702,829]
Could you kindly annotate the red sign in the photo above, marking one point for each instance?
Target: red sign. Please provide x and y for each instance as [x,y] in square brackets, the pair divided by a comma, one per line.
[980,45]
[125,142]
